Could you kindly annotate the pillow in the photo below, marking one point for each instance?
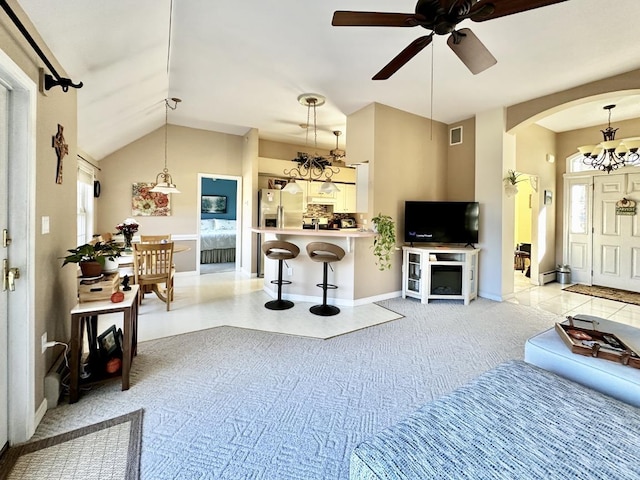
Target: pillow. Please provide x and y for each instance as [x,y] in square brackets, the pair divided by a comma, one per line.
[208,224]
[225,224]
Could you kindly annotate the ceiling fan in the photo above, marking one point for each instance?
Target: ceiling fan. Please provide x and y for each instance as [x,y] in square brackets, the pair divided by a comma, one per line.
[441,17]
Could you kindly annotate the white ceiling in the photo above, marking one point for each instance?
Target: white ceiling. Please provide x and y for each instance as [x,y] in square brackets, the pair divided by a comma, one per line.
[242,64]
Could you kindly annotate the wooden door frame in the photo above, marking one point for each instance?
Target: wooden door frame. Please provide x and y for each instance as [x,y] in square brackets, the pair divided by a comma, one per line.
[238,180]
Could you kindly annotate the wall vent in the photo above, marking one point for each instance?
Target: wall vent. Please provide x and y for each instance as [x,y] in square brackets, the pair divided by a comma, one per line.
[455,135]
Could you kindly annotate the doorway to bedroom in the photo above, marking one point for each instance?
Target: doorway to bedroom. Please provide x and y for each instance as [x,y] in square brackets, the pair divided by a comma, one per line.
[219,225]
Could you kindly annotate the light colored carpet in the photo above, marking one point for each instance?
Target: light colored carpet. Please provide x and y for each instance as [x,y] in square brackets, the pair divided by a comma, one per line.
[229,403]
[109,450]
[606,292]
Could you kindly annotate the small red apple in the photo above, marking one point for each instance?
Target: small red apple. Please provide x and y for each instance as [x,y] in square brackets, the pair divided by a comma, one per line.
[117,297]
[113,365]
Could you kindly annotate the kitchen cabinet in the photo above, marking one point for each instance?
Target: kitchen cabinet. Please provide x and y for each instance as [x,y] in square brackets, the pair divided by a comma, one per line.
[345,199]
[317,197]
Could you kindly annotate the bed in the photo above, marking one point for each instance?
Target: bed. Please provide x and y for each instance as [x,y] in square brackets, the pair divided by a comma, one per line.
[217,240]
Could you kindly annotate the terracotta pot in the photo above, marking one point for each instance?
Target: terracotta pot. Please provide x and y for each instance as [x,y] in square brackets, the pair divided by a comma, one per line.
[90,269]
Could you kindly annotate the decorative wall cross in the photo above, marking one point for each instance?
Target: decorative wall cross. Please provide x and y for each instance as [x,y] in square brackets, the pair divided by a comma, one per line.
[62,149]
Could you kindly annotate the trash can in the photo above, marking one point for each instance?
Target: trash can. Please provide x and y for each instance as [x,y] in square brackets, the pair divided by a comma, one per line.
[563,274]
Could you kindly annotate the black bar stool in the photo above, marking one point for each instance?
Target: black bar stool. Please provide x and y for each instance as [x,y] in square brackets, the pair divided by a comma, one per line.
[325,253]
[281,251]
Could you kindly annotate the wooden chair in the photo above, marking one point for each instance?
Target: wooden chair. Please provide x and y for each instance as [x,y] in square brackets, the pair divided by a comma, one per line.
[153,265]
[155,238]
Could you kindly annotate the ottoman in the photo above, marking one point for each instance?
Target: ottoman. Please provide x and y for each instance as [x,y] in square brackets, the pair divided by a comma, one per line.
[548,351]
[516,421]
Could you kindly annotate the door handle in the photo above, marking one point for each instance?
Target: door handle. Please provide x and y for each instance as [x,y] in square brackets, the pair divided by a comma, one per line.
[9,276]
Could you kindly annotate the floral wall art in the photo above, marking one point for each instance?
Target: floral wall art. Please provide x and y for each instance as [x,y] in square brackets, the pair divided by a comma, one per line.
[146,203]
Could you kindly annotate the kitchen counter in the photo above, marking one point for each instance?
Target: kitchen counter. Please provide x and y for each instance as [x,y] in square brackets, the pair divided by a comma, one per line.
[324,234]
[305,273]
[329,232]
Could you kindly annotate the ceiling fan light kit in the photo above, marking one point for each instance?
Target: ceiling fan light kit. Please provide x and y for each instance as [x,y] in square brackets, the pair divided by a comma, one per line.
[442,18]
[611,154]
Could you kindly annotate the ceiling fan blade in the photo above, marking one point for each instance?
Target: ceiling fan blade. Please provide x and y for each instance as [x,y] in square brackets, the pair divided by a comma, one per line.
[490,9]
[343,18]
[471,50]
[403,57]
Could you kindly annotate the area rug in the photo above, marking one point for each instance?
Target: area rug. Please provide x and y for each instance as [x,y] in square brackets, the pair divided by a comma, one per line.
[606,292]
[105,450]
[237,404]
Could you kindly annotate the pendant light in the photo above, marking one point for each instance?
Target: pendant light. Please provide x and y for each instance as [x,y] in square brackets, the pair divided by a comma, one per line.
[164,182]
[311,167]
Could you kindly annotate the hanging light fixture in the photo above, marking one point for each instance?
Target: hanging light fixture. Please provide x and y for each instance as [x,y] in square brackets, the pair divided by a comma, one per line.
[610,154]
[337,154]
[311,167]
[164,182]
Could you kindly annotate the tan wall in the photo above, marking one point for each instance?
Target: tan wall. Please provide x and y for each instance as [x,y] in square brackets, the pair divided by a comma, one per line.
[533,144]
[407,161]
[55,288]
[190,151]
[461,164]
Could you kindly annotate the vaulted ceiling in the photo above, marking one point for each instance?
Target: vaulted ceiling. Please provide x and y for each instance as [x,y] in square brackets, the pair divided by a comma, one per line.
[242,64]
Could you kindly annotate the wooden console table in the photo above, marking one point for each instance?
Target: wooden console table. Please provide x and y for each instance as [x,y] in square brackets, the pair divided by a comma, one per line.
[89,312]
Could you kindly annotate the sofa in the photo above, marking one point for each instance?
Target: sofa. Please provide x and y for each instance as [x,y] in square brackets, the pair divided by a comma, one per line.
[516,421]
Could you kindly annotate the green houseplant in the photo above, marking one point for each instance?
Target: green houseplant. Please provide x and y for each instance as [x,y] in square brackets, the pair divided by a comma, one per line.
[384,242]
[92,256]
[511,181]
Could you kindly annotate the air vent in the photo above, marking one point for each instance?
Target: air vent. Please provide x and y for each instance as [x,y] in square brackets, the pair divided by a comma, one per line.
[455,135]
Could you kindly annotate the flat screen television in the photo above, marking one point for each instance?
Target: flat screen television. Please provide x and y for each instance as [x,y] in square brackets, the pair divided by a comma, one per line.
[441,222]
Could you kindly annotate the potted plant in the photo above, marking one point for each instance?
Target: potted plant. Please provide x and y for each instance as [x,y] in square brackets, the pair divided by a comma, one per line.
[92,256]
[511,181]
[384,242]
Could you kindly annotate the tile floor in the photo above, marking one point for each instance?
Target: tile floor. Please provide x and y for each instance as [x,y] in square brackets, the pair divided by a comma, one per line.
[230,298]
[552,298]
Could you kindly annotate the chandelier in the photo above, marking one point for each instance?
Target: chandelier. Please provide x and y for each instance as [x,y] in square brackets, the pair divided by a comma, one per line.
[164,182]
[610,154]
[311,167]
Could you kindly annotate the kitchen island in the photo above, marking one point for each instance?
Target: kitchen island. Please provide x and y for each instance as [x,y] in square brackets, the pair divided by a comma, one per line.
[355,285]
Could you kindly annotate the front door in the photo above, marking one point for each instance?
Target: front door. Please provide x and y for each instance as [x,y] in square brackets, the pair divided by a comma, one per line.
[4,359]
[616,238]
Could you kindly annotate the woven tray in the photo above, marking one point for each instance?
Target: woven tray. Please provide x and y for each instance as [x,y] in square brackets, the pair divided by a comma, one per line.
[594,343]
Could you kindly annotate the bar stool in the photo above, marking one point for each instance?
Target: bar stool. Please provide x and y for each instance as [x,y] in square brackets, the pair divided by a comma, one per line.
[281,251]
[325,253]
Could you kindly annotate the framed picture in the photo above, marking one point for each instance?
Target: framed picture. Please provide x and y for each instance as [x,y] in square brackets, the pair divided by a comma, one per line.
[109,342]
[214,204]
[145,203]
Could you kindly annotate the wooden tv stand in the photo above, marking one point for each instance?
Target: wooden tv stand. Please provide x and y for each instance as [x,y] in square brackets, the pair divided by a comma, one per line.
[431,273]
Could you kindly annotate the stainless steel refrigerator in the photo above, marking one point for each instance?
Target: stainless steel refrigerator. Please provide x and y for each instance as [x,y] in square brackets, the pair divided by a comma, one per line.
[277,209]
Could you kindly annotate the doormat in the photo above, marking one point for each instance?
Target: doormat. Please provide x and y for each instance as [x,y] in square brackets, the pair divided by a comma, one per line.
[106,450]
[606,292]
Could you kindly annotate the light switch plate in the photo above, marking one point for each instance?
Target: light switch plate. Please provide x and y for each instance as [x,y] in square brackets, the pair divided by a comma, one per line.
[45,225]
